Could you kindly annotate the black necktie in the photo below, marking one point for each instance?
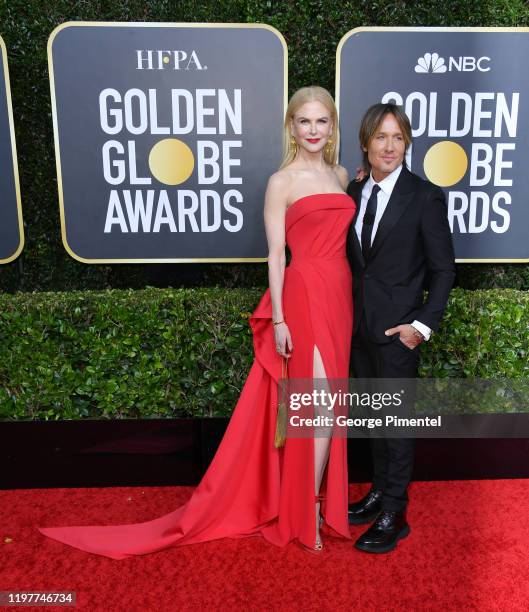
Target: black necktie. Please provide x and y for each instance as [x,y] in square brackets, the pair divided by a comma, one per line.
[369,219]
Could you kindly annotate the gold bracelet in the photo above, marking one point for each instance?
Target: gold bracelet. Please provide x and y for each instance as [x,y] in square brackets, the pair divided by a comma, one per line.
[277,322]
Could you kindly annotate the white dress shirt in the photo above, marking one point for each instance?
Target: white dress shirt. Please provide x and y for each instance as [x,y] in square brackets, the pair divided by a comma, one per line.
[386,188]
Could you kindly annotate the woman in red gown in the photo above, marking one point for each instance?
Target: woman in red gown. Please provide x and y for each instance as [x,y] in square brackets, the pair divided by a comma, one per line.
[251,487]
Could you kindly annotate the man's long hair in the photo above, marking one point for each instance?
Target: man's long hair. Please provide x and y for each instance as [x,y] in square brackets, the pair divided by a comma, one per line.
[371,122]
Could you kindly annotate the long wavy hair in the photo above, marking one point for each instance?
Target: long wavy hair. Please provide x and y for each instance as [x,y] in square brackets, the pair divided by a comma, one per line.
[310,94]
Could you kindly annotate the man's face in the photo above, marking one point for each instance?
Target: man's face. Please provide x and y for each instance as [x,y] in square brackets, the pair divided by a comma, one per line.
[387,148]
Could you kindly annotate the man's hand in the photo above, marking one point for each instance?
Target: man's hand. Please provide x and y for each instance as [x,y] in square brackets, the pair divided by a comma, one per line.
[361,173]
[408,335]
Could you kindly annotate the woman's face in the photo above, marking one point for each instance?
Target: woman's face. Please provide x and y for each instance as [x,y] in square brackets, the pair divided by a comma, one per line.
[311,126]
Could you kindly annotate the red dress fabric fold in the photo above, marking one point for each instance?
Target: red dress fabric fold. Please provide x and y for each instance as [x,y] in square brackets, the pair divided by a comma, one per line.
[251,488]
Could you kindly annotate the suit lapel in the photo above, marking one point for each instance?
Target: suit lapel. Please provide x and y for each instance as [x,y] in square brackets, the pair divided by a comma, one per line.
[400,199]
[355,191]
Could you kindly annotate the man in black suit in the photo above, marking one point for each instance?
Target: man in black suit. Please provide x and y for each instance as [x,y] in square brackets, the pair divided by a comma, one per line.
[398,244]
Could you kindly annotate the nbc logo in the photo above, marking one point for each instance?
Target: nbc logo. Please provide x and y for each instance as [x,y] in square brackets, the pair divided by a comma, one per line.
[430,62]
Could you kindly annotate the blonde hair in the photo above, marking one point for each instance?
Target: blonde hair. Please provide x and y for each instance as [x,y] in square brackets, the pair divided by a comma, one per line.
[314,93]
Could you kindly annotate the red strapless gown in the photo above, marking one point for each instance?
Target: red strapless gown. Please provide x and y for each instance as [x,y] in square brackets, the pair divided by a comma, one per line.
[252,488]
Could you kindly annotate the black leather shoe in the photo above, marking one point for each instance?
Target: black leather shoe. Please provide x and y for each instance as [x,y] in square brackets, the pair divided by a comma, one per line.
[366,510]
[384,533]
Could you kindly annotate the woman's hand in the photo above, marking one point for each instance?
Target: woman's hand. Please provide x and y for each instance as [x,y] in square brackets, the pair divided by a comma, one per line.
[283,340]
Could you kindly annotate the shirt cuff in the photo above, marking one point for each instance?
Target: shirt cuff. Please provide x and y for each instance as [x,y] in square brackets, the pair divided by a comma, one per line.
[424,329]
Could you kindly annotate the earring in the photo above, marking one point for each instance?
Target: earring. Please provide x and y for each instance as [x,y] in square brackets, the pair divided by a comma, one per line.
[293,143]
[328,146]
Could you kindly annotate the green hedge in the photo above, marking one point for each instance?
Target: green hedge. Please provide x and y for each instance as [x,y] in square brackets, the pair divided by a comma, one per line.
[312,29]
[168,353]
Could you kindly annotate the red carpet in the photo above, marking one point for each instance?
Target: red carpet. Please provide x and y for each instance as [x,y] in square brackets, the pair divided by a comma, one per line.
[476,558]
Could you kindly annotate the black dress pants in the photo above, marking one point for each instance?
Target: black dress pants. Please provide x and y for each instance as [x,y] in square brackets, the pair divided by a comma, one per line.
[392,457]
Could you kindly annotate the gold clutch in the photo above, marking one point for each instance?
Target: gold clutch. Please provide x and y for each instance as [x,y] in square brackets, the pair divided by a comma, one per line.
[281,420]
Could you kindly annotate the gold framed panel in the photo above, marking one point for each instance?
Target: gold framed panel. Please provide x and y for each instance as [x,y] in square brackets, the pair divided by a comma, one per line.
[69,24]
[14,156]
[356,31]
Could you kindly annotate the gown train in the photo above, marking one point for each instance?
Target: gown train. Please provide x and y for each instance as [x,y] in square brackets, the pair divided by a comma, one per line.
[251,488]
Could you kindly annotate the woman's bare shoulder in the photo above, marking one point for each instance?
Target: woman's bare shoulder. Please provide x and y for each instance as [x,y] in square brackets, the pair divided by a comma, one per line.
[342,174]
[282,180]
[278,188]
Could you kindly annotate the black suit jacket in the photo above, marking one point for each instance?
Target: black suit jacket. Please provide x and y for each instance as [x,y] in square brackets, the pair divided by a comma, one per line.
[412,251]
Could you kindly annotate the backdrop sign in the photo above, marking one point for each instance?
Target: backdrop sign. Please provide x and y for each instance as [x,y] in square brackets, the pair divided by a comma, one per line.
[11,226]
[165,135]
[466,92]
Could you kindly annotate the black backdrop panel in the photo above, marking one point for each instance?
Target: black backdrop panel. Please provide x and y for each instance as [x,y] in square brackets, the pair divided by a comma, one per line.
[165,136]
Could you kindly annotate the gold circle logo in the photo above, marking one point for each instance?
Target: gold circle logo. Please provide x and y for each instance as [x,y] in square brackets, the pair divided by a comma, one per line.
[445,163]
[171,161]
